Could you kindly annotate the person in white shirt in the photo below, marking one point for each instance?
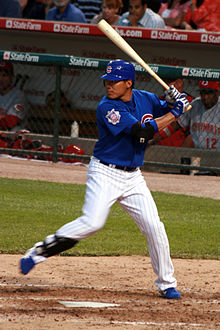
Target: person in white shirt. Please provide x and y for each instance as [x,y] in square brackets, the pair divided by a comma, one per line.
[142,16]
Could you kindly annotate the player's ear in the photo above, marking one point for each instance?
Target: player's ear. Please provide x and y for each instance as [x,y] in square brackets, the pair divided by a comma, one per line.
[129,83]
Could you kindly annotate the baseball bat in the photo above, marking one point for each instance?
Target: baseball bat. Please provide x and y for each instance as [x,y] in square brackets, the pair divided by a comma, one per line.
[115,37]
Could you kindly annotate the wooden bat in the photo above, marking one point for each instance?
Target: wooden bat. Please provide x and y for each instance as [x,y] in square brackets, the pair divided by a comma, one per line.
[115,37]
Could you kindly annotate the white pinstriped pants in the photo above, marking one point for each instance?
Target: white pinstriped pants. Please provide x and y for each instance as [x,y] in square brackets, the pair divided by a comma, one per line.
[105,186]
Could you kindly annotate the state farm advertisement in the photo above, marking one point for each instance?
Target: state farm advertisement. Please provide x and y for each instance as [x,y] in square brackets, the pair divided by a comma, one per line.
[126,32]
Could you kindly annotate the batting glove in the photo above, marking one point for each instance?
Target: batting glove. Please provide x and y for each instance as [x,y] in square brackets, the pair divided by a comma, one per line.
[180,106]
[172,95]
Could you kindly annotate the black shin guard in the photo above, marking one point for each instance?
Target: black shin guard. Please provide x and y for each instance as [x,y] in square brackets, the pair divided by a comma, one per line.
[54,245]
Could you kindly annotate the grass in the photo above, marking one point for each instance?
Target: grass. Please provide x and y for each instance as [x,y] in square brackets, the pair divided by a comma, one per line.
[31,210]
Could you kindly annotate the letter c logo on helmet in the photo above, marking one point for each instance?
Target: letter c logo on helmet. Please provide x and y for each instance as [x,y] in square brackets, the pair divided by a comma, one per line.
[119,70]
[109,69]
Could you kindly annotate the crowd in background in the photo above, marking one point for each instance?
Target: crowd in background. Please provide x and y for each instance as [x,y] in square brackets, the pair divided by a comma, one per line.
[200,15]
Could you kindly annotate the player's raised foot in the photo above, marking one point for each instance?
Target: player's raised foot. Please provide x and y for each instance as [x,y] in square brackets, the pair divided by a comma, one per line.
[27,262]
[170,293]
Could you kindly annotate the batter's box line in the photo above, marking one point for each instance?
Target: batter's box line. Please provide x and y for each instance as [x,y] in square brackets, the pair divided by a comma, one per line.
[119,289]
[73,287]
[161,324]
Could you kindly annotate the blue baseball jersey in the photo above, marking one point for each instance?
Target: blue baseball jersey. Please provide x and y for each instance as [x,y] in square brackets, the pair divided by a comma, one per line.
[115,119]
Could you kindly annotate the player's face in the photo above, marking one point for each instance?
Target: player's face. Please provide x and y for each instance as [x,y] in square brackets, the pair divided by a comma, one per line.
[5,81]
[209,98]
[119,89]
[136,9]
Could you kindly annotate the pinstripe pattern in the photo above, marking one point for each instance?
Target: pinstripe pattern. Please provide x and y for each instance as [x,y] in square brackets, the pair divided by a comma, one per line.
[107,185]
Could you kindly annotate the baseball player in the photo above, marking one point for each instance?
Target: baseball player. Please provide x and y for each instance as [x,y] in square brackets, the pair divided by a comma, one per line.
[127,118]
[13,105]
[203,121]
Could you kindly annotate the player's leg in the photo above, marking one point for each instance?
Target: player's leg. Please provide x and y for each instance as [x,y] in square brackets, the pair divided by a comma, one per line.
[139,203]
[101,193]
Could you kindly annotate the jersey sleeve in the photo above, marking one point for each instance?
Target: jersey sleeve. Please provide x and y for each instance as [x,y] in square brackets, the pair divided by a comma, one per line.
[116,118]
[160,107]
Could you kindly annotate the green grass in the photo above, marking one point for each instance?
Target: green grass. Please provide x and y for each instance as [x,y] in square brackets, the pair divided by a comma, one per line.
[31,210]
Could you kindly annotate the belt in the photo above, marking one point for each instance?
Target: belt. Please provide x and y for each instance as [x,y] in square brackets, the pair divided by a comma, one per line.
[118,167]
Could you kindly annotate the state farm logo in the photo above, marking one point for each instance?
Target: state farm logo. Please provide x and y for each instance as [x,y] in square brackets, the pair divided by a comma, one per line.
[6,55]
[8,24]
[154,34]
[204,38]
[185,72]
[56,27]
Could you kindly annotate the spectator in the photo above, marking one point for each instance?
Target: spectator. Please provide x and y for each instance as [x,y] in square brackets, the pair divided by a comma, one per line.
[90,8]
[173,135]
[154,5]
[48,5]
[203,15]
[10,8]
[65,11]
[110,12]
[33,9]
[13,105]
[173,12]
[140,15]
[125,6]
[203,120]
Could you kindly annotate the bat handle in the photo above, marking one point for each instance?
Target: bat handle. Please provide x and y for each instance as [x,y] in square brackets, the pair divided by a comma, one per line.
[189,107]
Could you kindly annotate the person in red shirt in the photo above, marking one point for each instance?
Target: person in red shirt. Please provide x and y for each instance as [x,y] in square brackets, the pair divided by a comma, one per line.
[173,12]
[203,15]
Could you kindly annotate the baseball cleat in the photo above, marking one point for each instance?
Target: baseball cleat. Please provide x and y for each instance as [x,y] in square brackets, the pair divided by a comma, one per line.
[170,293]
[27,262]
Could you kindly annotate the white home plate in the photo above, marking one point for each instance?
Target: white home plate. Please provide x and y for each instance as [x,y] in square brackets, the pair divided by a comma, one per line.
[90,304]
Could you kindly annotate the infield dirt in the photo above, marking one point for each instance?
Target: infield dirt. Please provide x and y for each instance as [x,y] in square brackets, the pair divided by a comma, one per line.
[33,301]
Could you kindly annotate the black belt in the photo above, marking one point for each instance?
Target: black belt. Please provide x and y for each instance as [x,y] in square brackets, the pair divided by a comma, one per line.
[118,167]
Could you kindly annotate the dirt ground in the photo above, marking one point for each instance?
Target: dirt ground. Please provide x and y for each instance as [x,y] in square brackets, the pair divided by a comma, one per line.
[34,301]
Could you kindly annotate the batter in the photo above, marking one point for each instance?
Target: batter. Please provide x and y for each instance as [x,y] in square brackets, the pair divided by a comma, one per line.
[127,118]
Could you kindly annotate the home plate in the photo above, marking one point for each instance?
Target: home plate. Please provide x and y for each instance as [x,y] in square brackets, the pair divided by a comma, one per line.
[89,304]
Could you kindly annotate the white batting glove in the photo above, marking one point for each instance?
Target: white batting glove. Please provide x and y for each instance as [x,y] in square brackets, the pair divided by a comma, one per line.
[185,102]
[180,106]
[172,95]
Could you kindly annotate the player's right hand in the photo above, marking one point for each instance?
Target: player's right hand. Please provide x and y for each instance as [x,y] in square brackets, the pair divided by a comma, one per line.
[180,106]
[172,95]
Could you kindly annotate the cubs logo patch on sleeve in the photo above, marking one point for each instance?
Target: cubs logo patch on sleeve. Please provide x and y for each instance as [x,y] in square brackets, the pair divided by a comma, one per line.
[113,117]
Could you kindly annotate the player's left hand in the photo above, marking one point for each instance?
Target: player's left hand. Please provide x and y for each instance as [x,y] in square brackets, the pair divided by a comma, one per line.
[180,106]
[172,95]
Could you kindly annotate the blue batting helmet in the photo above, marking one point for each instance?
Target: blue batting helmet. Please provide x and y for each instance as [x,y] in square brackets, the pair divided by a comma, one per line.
[119,70]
